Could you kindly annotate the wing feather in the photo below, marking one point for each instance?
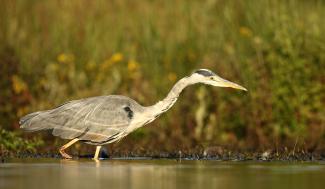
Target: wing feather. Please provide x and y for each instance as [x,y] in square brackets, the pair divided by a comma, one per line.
[93,119]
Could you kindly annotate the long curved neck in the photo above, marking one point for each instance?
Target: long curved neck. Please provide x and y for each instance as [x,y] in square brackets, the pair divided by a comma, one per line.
[162,106]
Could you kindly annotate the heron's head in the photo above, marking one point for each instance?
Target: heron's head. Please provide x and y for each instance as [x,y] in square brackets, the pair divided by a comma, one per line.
[208,77]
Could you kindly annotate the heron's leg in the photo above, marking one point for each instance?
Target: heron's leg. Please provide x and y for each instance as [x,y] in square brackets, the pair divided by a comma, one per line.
[62,152]
[97,152]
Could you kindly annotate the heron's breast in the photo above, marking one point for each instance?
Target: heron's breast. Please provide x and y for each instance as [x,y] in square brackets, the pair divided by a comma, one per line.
[138,121]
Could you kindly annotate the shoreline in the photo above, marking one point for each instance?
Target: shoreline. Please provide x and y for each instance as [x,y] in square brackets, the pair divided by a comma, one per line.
[234,156]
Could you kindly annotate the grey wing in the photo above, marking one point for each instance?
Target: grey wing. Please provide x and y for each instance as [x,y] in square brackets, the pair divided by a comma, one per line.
[97,119]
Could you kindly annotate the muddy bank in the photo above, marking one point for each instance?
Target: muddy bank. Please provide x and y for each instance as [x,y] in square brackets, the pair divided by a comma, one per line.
[183,155]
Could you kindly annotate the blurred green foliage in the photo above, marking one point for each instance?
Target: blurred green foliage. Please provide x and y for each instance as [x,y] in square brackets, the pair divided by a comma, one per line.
[12,142]
[54,51]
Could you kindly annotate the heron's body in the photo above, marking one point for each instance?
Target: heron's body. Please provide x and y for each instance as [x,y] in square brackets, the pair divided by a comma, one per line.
[95,120]
[104,119]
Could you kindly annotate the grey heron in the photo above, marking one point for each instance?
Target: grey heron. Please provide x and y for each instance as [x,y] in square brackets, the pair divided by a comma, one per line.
[105,119]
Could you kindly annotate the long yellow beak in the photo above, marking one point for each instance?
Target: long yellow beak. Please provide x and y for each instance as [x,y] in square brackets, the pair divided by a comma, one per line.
[234,85]
[225,83]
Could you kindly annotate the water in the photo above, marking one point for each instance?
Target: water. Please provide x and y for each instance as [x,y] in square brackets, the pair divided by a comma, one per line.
[56,173]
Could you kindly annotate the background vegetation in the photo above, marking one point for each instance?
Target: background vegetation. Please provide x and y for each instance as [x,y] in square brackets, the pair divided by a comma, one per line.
[54,51]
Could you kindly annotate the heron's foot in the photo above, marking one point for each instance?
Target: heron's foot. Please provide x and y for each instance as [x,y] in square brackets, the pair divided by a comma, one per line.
[65,155]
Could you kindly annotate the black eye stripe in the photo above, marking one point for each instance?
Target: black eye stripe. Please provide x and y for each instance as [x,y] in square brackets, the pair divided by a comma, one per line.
[205,72]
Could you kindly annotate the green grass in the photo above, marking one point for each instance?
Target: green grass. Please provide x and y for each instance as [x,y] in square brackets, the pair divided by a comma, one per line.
[13,142]
[54,51]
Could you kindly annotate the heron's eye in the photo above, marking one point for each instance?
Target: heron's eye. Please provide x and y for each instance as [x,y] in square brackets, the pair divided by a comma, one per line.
[211,78]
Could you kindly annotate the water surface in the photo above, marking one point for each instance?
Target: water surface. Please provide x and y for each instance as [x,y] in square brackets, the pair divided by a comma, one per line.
[56,173]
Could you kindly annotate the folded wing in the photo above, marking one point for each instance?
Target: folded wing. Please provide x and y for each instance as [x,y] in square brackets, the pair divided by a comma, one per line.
[96,119]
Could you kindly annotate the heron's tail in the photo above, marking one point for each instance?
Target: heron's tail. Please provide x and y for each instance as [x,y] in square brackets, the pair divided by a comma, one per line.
[31,122]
